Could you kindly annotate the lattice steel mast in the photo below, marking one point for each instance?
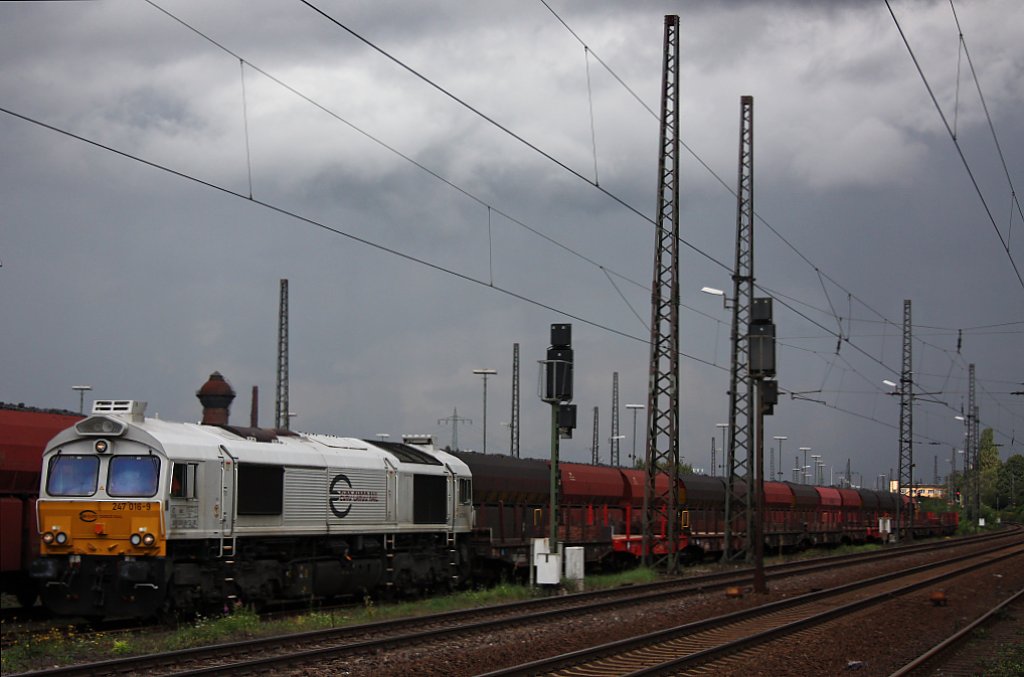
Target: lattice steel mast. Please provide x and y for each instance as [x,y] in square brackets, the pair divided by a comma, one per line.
[905,478]
[513,448]
[740,450]
[454,419]
[615,437]
[663,392]
[974,486]
[281,417]
[595,456]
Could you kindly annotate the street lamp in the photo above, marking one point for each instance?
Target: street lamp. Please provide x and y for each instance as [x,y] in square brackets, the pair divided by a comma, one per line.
[485,373]
[804,477]
[635,408]
[717,292]
[81,397]
[383,436]
[780,439]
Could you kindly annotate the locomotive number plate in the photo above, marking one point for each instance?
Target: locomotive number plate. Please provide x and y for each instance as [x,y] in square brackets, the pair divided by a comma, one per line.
[135,507]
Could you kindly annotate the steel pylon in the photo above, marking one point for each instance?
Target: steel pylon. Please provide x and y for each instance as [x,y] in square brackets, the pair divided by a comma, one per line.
[662,452]
[740,449]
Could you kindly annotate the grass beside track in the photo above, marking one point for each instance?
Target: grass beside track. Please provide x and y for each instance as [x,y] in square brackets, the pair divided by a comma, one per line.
[66,646]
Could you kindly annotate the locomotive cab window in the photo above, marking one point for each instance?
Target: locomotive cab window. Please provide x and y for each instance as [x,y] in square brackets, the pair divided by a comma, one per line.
[72,475]
[133,476]
[465,491]
[183,480]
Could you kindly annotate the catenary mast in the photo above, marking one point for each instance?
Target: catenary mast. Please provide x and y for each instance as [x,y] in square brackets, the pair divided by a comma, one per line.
[739,452]
[663,392]
[613,442]
[281,417]
[513,449]
[905,478]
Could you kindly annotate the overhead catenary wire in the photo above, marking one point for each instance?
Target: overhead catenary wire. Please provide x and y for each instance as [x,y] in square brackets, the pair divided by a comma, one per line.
[438,176]
[337,231]
[956,143]
[606,271]
[841,338]
[775,293]
[1014,201]
[394,252]
[557,162]
[622,202]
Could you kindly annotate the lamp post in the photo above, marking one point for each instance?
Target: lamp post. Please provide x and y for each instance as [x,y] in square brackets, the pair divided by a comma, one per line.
[965,482]
[963,475]
[383,436]
[723,427]
[780,439]
[632,456]
[485,373]
[81,397]
[614,438]
[803,477]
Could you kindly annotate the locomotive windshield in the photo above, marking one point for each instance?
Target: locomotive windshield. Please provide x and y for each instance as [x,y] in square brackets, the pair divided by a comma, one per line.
[72,475]
[133,476]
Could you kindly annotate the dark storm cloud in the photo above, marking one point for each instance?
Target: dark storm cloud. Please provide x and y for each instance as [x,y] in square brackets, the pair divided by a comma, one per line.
[141,282]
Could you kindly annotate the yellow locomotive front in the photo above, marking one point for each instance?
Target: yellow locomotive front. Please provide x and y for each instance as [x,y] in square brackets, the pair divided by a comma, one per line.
[101,520]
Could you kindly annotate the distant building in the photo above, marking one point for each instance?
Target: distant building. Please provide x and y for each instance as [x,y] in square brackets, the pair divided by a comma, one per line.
[922,490]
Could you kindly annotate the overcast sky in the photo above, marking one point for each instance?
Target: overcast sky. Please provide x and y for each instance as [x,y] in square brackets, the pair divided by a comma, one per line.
[423,232]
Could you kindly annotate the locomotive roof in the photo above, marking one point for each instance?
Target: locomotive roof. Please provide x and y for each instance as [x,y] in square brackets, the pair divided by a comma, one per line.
[194,441]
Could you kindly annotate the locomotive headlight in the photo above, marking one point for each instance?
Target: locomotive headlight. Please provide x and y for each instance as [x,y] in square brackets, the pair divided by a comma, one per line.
[61,538]
[102,446]
[48,537]
[148,540]
[136,540]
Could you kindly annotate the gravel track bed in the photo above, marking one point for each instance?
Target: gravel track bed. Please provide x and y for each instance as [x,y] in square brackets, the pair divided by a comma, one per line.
[874,645]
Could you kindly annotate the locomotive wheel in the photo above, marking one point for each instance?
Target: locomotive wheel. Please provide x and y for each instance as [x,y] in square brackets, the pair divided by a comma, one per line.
[27,596]
[693,555]
[167,614]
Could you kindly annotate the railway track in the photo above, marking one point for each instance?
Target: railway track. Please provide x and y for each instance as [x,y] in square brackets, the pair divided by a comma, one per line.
[335,644]
[952,657]
[722,644]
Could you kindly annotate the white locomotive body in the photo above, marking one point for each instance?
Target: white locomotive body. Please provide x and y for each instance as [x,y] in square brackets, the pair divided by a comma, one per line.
[139,516]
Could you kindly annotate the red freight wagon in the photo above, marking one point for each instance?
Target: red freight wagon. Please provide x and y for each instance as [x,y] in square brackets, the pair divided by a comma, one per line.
[24,433]
[705,502]
[631,541]
[591,484]
[830,510]
[872,510]
[779,503]
[853,515]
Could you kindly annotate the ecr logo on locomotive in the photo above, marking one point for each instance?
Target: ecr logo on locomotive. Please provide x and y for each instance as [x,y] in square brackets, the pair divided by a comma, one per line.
[340,496]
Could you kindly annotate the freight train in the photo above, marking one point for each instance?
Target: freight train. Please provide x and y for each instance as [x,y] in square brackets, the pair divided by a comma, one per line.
[140,517]
[24,432]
